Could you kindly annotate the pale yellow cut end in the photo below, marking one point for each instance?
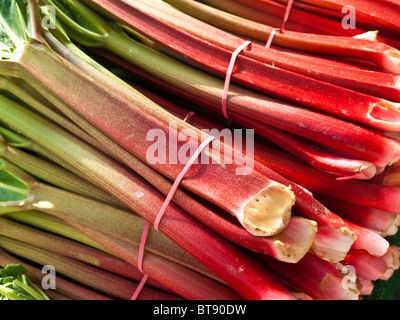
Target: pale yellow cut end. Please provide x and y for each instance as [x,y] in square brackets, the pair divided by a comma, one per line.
[269,212]
[391,61]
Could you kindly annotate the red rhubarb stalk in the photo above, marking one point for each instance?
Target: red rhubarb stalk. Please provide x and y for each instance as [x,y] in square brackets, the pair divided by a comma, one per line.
[281,246]
[382,54]
[363,193]
[375,112]
[384,223]
[75,250]
[380,84]
[333,238]
[247,206]
[206,246]
[381,13]
[367,266]
[315,21]
[313,126]
[317,278]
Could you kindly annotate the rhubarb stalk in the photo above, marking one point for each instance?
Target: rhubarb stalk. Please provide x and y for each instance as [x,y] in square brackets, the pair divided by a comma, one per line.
[375,112]
[248,207]
[124,185]
[382,54]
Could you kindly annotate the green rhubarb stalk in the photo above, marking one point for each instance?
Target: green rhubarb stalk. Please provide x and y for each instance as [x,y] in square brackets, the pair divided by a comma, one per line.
[143,115]
[74,250]
[213,251]
[25,193]
[24,94]
[44,221]
[54,174]
[105,282]
[21,142]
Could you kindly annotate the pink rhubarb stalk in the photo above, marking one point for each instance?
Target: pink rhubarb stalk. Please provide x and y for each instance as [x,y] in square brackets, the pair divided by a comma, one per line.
[260,109]
[333,238]
[317,278]
[380,84]
[366,266]
[375,112]
[203,244]
[384,223]
[382,54]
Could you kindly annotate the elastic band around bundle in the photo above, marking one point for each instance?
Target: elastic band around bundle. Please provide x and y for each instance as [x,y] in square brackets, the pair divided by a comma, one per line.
[162,211]
[283,27]
[229,76]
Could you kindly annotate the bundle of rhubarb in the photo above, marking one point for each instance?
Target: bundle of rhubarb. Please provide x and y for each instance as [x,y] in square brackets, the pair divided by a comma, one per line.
[144,156]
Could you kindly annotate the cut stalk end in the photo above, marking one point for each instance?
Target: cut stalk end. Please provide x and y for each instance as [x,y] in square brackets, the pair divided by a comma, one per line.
[336,289]
[365,171]
[294,242]
[333,244]
[387,113]
[391,61]
[269,212]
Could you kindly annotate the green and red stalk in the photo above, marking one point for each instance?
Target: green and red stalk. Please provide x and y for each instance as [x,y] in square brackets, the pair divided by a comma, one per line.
[380,84]
[362,193]
[44,221]
[105,282]
[142,114]
[315,21]
[333,239]
[282,247]
[54,174]
[176,278]
[24,94]
[64,287]
[381,13]
[317,278]
[283,84]
[75,250]
[199,241]
[207,91]
[83,212]
[381,54]
[16,140]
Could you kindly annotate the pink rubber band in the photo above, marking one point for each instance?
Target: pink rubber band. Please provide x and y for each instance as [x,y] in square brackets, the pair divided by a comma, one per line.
[283,27]
[189,116]
[229,76]
[179,179]
[160,214]
[140,287]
